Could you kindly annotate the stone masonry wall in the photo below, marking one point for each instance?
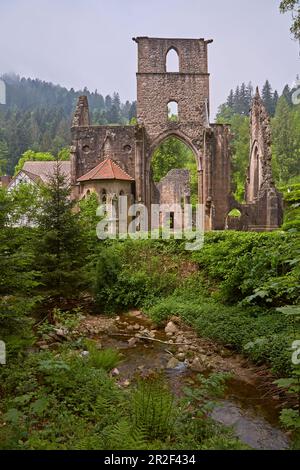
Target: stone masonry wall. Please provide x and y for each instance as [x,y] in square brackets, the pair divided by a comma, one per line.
[132,147]
[174,188]
[220,174]
[156,88]
[93,144]
[152,52]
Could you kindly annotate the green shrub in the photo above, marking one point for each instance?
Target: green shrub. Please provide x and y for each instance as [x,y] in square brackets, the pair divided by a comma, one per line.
[132,274]
[107,271]
[105,359]
[262,334]
[260,269]
[153,408]
[291,194]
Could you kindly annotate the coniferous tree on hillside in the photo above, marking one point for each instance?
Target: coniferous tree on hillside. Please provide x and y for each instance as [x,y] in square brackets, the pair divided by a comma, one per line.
[285,123]
[38,116]
[3,156]
[18,275]
[275,100]
[236,100]
[132,111]
[230,99]
[248,97]
[287,94]
[59,250]
[116,101]
[268,98]
[240,101]
[286,141]
[108,103]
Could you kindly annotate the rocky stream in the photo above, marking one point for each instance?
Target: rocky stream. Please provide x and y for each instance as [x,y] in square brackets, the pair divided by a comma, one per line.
[251,405]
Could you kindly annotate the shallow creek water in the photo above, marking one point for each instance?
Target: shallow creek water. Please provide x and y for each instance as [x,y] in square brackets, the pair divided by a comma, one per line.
[251,404]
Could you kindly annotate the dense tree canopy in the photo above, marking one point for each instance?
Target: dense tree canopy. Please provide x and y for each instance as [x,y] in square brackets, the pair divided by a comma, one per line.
[285,123]
[38,115]
[174,154]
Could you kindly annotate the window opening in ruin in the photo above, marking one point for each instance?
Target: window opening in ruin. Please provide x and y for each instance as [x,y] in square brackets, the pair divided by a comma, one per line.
[172,61]
[173,111]
[174,154]
[103,196]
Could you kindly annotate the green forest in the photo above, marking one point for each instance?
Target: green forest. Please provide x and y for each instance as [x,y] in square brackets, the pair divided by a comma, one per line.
[37,116]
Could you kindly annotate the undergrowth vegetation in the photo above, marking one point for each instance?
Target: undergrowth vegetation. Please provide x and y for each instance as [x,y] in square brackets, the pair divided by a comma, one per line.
[291,194]
[135,273]
[234,290]
[229,290]
[63,400]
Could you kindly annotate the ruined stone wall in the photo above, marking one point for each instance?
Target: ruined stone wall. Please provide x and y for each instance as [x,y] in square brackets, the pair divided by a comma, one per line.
[156,88]
[189,91]
[260,161]
[152,52]
[189,88]
[132,147]
[263,209]
[218,188]
[92,144]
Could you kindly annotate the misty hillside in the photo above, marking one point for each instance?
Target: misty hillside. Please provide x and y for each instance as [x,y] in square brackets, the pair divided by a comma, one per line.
[37,115]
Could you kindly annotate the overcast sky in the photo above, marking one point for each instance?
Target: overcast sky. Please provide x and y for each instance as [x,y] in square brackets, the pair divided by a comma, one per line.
[78,43]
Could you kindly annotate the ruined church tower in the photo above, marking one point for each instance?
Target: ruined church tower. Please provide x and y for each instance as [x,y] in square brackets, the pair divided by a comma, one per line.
[128,150]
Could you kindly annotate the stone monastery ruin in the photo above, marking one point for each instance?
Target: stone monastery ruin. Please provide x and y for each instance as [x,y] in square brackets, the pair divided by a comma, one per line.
[116,160]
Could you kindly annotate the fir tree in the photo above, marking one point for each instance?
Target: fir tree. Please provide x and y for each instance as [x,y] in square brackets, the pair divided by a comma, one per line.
[108,103]
[230,99]
[248,97]
[132,112]
[286,141]
[3,156]
[116,101]
[59,251]
[236,106]
[113,115]
[287,94]
[18,276]
[275,101]
[267,97]
[243,100]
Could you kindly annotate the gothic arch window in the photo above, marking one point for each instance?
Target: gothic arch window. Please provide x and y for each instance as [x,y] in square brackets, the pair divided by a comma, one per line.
[115,202]
[172,60]
[172,108]
[121,193]
[233,220]
[256,173]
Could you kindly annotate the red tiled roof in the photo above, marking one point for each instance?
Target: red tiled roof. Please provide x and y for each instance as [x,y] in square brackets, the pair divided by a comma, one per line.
[106,170]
